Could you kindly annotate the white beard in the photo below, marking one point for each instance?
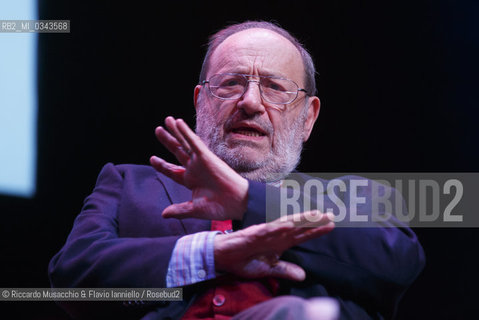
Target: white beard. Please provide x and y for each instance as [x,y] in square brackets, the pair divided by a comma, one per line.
[277,164]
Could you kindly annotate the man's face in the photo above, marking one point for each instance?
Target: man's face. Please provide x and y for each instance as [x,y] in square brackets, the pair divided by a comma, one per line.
[260,140]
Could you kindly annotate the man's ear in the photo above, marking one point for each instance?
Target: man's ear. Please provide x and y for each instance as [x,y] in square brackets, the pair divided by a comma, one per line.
[196,94]
[313,112]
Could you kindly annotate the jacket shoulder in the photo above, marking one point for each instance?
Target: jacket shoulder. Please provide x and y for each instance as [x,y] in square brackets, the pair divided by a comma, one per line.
[141,174]
[129,170]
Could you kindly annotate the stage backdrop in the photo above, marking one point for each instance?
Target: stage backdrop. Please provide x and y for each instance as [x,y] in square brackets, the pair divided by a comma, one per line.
[398,86]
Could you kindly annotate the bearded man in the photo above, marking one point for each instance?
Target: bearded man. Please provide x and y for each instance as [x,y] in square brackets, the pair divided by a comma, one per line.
[201,225]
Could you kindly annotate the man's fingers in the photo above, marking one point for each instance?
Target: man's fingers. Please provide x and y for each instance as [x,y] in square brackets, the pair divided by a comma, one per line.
[172,144]
[314,218]
[172,126]
[288,270]
[193,140]
[179,210]
[172,171]
[289,231]
[190,209]
[308,219]
[313,233]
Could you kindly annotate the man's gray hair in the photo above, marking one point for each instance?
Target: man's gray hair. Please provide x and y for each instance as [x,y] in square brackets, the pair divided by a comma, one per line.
[216,39]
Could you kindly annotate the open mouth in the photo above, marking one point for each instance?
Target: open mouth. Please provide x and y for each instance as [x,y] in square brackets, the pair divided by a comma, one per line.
[248,131]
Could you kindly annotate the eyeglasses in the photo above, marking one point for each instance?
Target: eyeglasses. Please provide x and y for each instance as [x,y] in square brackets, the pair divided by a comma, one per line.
[232,86]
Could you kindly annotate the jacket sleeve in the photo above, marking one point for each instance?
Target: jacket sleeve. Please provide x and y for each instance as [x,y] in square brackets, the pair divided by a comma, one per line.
[370,266]
[94,254]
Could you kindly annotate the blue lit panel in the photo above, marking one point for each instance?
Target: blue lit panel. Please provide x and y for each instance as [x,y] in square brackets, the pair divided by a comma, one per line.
[18,102]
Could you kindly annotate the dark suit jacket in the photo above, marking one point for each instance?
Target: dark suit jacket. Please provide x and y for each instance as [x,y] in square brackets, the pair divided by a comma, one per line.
[121,240]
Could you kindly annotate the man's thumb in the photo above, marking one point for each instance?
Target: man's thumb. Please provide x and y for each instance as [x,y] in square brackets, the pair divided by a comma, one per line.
[288,270]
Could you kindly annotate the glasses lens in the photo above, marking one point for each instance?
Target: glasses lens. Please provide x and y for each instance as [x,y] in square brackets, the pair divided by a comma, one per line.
[279,91]
[233,86]
[227,86]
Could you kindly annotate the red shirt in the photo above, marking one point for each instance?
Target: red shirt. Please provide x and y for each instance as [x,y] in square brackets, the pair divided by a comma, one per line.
[229,294]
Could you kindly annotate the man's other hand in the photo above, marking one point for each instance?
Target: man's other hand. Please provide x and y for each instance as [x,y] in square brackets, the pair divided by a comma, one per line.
[254,252]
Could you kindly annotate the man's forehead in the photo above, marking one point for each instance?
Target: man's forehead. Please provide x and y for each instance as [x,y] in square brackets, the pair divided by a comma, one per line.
[250,36]
[257,43]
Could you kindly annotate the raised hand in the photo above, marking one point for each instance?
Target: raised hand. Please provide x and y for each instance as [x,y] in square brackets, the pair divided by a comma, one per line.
[254,252]
[219,193]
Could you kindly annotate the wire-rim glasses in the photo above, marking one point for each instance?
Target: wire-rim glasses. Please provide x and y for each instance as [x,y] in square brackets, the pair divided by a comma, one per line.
[232,86]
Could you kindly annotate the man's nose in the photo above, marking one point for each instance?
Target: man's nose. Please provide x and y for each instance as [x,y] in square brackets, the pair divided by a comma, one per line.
[251,101]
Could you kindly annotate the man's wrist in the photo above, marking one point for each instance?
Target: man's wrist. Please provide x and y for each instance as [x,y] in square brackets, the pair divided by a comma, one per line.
[243,197]
[217,252]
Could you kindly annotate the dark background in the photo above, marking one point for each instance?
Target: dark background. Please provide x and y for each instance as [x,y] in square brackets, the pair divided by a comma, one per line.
[398,85]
